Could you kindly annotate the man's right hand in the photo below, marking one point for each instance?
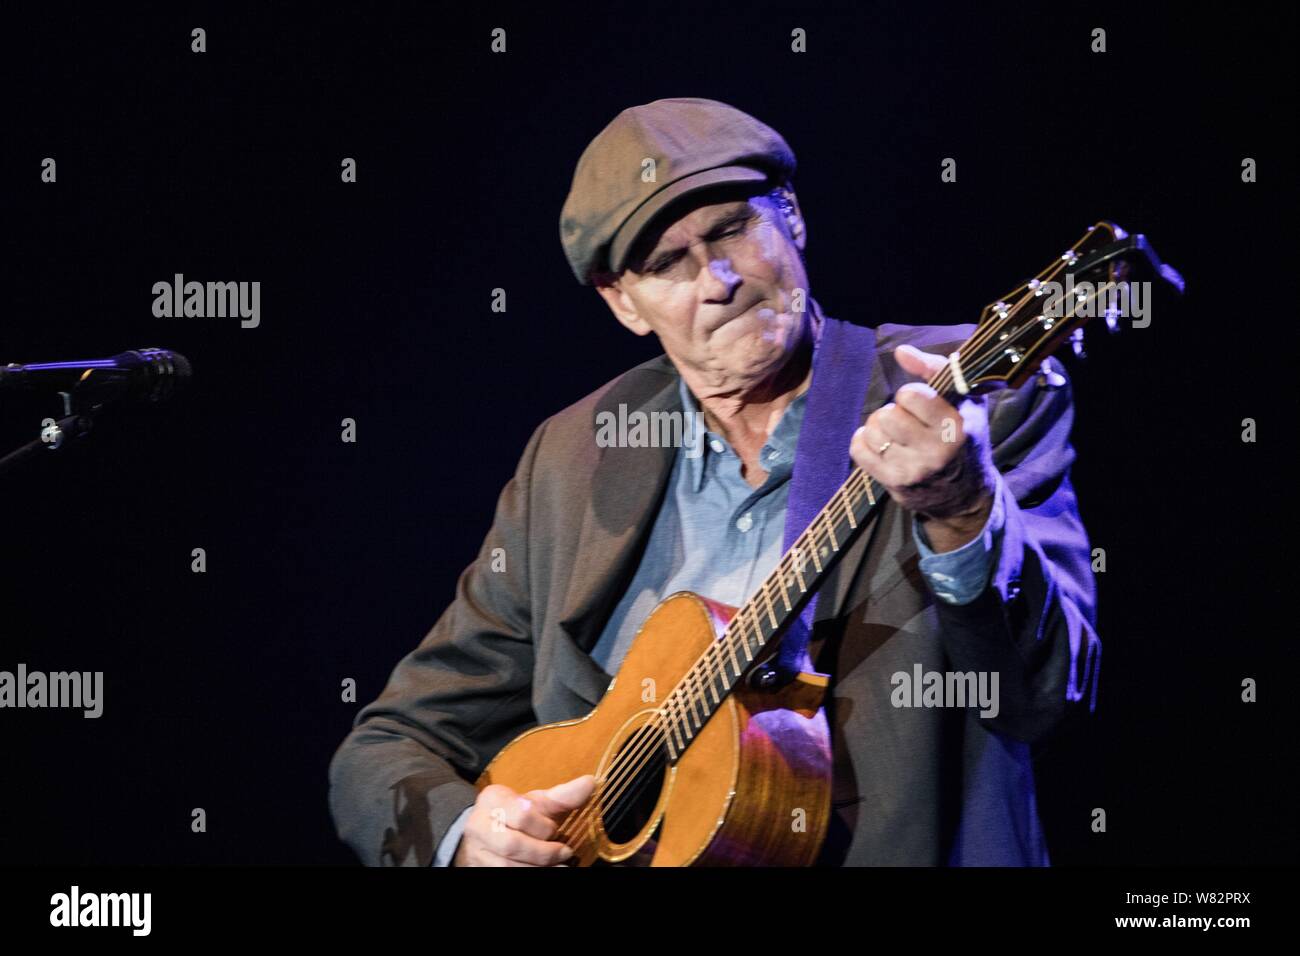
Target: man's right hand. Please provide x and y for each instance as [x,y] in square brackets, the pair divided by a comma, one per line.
[506,829]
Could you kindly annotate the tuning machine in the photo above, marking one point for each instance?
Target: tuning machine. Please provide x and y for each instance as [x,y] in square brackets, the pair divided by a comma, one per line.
[1076,343]
[1047,378]
[1118,273]
[1111,315]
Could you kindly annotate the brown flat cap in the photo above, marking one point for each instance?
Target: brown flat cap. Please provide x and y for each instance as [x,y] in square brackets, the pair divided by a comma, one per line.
[693,143]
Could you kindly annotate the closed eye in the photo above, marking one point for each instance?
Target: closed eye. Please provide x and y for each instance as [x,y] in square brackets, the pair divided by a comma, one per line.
[732,227]
[726,230]
[663,265]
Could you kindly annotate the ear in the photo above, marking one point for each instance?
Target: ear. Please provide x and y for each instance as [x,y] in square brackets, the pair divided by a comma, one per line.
[621,304]
[794,220]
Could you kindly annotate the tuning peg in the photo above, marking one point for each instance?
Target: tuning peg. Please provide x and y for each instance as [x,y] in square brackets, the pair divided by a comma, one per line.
[1076,343]
[1048,378]
[1112,318]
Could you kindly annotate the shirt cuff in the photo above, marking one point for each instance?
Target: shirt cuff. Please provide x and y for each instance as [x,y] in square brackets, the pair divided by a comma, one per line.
[959,577]
[450,842]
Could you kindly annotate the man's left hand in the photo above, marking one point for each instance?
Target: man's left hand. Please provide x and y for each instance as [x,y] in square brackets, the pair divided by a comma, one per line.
[937,460]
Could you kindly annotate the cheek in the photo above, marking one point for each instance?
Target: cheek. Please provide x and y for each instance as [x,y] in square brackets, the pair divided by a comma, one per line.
[776,329]
[671,317]
[758,341]
[771,251]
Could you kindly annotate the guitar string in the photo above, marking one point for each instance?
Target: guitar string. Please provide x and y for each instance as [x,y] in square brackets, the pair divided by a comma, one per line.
[672,709]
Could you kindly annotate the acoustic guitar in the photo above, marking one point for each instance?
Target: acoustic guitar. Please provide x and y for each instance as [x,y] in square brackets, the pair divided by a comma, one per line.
[707,748]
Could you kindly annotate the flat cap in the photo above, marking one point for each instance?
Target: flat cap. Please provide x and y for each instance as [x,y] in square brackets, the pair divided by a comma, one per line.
[647,157]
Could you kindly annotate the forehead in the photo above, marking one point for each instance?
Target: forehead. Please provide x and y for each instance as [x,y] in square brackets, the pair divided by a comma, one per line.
[702,218]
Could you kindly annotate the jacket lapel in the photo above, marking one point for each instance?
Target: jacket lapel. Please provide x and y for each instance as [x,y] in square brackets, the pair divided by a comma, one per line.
[627,486]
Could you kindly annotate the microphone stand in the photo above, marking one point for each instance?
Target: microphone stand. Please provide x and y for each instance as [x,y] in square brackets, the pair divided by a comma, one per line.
[73,425]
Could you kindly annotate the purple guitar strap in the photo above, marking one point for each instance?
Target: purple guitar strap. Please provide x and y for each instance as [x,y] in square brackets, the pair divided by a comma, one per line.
[841,374]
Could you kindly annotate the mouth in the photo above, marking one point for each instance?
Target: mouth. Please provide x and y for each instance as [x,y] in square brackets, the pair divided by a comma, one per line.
[736,315]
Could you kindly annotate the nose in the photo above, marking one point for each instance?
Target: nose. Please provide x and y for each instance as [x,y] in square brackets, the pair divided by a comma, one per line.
[720,280]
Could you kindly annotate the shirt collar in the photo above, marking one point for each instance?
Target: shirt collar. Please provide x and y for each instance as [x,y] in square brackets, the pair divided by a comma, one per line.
[783,440]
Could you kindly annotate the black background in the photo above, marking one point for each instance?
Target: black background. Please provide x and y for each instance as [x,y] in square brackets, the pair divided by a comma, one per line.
[329,560]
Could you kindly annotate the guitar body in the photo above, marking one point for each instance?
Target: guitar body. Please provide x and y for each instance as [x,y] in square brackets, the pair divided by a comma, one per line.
[751,789]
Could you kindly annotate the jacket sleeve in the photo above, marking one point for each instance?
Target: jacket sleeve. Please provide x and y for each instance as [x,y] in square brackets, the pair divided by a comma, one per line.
[1035,622]
[405,771]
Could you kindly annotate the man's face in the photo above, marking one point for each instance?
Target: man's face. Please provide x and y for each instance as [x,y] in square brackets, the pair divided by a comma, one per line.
[716,286]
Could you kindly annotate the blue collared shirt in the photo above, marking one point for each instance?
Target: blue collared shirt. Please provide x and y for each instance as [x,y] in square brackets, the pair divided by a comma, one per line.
[718,537]
[715,534]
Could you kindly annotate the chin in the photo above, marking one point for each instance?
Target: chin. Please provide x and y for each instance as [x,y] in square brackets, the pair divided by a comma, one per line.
[758,356]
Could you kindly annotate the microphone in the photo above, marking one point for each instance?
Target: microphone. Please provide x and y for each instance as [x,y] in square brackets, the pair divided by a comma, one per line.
[148,374]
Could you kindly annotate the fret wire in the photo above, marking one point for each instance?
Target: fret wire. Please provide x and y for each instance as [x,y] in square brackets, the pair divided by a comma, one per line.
[848,510]
[690,696]
[711,662]
[803,587]
[830,530]
[768,598]
[673,709]
[813,540]
[749,656]
[672,725]
[785,596]
[684,699]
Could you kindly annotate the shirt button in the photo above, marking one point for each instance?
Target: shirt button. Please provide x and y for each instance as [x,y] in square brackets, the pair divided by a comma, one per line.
[941,578]
[716,445]
[745,521]
[772,454]
[945,596]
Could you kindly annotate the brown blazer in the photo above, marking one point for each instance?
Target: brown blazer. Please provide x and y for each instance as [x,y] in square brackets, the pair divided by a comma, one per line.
[927,786]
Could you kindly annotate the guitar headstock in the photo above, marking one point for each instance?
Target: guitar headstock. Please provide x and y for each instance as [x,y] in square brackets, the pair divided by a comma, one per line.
[1106,274]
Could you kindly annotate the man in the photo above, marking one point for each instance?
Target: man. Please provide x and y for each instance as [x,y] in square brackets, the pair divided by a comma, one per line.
[682,215]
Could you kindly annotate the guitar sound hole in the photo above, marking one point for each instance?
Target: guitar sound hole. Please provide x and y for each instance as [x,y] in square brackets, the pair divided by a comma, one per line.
[632,790]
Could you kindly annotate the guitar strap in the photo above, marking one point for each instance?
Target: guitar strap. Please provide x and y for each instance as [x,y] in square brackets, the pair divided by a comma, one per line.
[841,374]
